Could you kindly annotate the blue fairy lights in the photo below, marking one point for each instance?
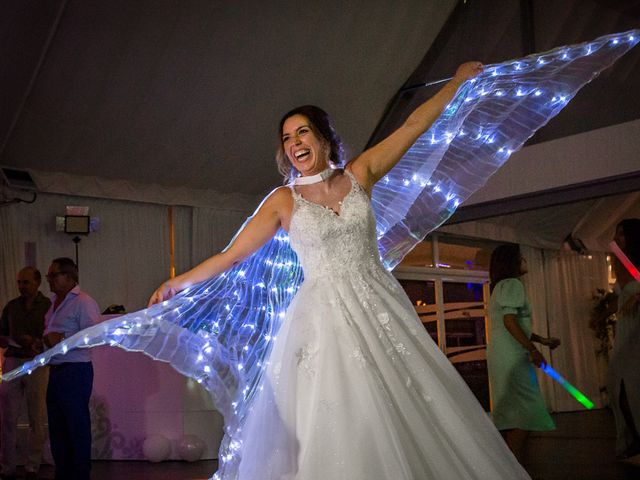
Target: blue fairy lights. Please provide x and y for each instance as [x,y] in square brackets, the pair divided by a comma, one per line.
[220,332]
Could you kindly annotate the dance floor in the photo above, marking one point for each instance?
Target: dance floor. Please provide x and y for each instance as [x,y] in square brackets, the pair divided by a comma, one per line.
[581,448]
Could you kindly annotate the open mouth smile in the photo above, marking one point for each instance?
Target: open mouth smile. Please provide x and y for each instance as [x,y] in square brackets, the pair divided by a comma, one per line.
[302,154]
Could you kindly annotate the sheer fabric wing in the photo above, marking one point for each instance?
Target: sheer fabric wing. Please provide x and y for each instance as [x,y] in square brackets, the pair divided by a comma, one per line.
[216,332]
[220,332]
[490,118]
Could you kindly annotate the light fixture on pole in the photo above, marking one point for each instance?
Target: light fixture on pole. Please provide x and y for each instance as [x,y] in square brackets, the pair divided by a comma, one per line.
[77,222]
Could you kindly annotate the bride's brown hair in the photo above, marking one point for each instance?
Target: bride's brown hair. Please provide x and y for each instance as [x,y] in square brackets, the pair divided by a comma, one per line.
[320,123]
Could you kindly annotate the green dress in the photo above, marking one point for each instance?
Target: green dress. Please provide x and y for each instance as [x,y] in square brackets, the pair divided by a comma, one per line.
[515,393]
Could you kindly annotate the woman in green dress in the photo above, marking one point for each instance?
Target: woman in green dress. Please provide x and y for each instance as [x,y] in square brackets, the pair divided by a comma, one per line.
[517,404]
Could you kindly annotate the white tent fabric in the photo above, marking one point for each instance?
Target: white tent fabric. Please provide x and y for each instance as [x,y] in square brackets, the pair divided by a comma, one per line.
[189,93]
[560,287]
[591,221]
[100,187]
[117,263]
[571,281]
[212,230]
[597,226]
[129,252]
[11,253]
[535,286]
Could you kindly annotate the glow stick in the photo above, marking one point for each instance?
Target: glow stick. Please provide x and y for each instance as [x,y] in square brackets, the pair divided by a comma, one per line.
[633,270]
[573,391]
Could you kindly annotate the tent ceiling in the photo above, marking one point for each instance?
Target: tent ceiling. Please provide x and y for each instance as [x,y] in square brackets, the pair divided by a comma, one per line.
[593,222]
[495,31]
[190,93]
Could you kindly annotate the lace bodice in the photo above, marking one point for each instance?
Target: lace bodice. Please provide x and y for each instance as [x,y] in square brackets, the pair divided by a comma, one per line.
[328,243]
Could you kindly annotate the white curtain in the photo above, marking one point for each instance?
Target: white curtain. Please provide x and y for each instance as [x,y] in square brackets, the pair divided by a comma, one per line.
[11,257]
[535,285]
[182,227]
[121,263]
[212,230]
[560,286]
[126,258]
[576,278]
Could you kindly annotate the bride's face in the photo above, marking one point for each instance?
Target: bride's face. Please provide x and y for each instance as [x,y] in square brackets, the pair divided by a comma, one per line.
[305,149]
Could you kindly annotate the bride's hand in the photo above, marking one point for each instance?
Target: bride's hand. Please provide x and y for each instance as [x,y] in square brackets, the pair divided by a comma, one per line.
[162,293]
[468,70]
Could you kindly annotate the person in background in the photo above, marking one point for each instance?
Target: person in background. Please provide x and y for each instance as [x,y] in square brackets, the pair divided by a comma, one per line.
[624,368]
[70,375]
[21,329]
[517,404]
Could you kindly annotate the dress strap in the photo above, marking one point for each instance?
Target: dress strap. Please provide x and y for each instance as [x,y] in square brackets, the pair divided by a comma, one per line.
[351,175]
[296,196]
[354,181]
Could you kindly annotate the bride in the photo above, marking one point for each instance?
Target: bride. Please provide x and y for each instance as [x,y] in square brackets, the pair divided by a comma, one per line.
[354,387]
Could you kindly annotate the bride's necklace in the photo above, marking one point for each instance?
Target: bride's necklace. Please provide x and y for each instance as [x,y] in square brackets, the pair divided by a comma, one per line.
[318,177]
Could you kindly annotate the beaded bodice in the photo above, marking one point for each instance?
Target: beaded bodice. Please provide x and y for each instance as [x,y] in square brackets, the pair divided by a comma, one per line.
[330,243]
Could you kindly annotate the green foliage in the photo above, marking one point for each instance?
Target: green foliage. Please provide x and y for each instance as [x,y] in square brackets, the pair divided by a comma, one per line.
[603,319]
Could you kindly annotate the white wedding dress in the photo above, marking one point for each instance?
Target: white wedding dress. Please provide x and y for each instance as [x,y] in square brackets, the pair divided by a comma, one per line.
[355,389]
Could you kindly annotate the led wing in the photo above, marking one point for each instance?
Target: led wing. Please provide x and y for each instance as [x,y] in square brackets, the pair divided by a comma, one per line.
[491,117]
[216,332]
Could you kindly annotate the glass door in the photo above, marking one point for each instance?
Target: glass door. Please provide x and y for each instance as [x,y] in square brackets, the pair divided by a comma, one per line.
[452,308]
[466,333]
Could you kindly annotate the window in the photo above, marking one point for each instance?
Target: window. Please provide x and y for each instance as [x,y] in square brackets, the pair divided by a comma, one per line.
[446,279]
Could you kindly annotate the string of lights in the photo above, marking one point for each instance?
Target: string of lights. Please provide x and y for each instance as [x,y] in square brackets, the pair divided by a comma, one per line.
[220,332]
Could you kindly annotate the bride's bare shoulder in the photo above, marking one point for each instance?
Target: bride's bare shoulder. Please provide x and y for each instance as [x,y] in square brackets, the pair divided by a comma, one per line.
[281,195]
[361,174]
[280,203]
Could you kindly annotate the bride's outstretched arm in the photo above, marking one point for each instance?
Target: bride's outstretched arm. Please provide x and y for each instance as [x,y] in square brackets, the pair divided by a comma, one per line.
[259,229]
[374,163]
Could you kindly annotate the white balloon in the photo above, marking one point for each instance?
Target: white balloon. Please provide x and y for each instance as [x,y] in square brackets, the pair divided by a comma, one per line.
[156,448]
[190,448]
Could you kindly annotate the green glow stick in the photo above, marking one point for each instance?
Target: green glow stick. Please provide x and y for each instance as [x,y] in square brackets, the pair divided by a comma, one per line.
[573,391]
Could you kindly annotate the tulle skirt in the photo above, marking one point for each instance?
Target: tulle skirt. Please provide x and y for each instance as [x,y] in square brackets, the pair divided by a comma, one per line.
[356,389]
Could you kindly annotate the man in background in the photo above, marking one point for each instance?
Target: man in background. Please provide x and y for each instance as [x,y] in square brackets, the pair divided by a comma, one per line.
[21,330]
[71,374]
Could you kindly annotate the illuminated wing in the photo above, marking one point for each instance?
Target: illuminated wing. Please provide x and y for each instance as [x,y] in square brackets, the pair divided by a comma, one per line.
[490,118]
[216,332]
[220,332]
